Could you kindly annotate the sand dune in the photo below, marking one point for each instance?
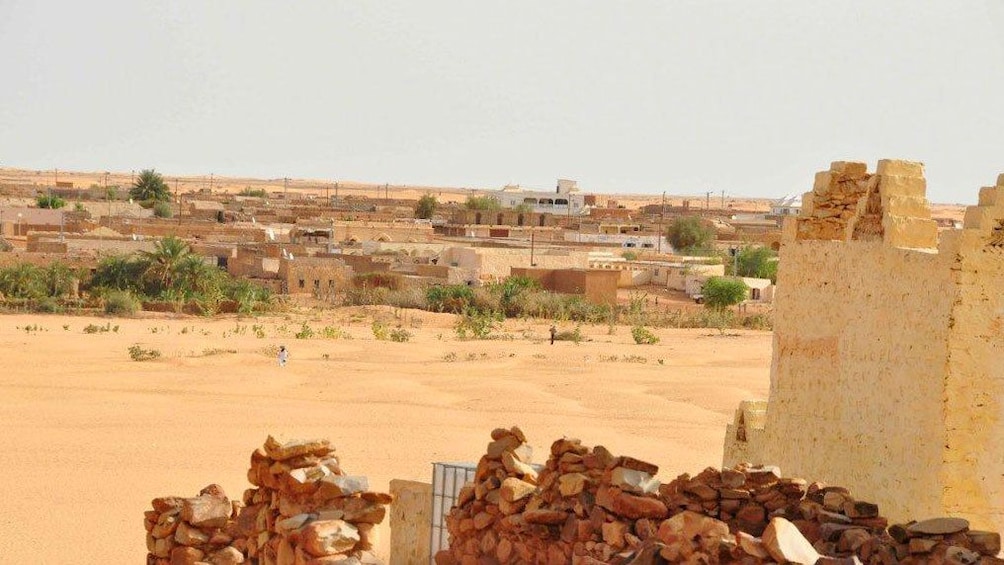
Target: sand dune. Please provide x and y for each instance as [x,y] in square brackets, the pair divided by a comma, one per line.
[91,436]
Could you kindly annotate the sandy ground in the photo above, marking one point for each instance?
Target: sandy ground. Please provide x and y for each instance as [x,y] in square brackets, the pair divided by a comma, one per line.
[91,436]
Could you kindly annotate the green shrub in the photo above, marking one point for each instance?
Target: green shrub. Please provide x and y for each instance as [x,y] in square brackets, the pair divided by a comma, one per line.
[121,303]
[137,353]
[50,305]
[643,336]
[49,201]
[472,324]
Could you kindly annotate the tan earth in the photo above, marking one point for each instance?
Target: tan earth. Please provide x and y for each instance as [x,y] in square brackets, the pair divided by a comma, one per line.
[91,436]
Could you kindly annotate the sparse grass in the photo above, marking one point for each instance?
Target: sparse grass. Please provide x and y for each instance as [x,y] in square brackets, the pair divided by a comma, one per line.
[96,329]
[216,351]
[450,357]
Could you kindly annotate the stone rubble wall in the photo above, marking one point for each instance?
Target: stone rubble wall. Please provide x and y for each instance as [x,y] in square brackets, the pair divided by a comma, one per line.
[304,510]
[588,506]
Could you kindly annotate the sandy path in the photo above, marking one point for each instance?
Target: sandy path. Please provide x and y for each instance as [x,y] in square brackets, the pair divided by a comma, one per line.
[91,436]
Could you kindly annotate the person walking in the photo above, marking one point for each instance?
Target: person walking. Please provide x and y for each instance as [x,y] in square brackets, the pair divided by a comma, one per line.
[283,355]
[554,332]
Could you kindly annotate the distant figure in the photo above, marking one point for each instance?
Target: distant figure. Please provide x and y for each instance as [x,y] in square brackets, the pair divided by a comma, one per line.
[283,355]
[554,332]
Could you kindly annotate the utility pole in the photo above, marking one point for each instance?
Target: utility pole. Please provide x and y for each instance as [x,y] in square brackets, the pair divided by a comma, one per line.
[707,200]
[723,200]
[285,187]
[532,264]
[108,198]
[210,182]
[177,197]
[662,218]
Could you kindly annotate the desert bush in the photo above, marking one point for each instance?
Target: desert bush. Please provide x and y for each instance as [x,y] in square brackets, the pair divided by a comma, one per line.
[472,324]
[254,192]
[306,332]
[137,353]
[400,335]
[380,330]
[49,305]
[121,303]
[454,298]
[570,335]
[643,336]
[757,322]
[364,296]
[162,210]
[406,298]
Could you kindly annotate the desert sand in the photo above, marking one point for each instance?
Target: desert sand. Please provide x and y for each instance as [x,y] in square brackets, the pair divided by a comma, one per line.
[91,436]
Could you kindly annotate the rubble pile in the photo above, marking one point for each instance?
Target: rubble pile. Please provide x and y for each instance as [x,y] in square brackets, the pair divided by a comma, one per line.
[304,510]
[586,506]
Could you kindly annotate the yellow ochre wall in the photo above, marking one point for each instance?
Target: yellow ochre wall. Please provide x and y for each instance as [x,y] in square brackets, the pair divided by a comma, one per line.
[888,363]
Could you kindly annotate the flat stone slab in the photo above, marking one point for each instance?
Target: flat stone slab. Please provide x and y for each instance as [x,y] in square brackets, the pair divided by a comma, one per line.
[939,526]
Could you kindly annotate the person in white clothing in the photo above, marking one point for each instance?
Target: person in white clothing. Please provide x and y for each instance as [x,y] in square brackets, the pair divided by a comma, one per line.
[283,355]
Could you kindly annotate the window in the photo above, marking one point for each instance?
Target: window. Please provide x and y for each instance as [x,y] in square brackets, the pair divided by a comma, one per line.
[302,283]
[477,218]
[560,202]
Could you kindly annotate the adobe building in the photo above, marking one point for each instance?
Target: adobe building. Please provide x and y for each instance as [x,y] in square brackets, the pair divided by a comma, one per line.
[888,366]
[594,285]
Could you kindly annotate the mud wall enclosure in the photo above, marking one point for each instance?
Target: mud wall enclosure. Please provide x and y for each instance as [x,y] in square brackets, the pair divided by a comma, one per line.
[888,364]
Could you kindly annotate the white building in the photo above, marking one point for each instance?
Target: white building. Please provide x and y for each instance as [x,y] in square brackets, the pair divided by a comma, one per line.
[790,205]
[564,200]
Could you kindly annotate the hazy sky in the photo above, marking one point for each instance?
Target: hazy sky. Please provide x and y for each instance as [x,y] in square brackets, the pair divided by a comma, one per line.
[634,96]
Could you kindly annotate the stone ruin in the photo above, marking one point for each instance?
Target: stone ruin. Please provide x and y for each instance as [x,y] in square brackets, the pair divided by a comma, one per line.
[587,506]
[304,511]
[888,362]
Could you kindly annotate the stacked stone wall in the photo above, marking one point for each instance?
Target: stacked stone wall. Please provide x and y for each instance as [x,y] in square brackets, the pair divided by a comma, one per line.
[304,510]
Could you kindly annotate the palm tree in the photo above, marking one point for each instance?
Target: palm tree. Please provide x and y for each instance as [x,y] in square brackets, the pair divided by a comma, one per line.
[150,186]
[163,262]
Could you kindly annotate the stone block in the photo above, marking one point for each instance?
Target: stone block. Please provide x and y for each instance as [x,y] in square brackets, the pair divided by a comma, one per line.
[978,218]
[910,233]
[992,195]
[908,206]
[893,185]
[850,168]
[821,186]
[900,168]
